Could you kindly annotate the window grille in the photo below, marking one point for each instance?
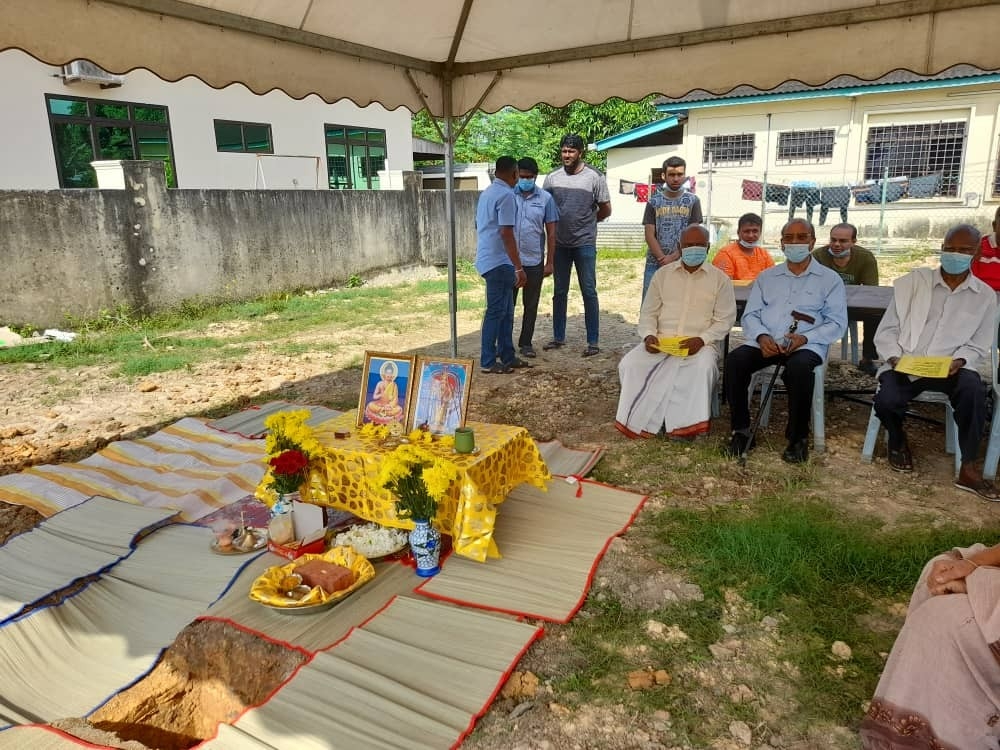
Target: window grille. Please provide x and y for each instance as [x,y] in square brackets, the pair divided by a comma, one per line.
[917,150]
[806,146]
[728,150]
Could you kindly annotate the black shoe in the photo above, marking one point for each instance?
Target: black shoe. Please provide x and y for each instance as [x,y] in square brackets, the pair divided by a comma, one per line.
[519,364]
[867,367]
[738,444]
[797,452]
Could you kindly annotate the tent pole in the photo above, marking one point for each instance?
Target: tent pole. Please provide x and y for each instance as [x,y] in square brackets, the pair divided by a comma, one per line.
[449,210]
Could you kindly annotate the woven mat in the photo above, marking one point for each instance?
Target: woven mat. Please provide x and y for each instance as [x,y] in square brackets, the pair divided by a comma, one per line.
[68,659]
[417,675]
[551,544]
[319,630]
[249,423]
[565,462]
[75,543]
[40,738]
[187,467]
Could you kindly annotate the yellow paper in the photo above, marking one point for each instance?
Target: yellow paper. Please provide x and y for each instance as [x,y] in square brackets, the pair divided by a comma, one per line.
[924,367]
[672,345]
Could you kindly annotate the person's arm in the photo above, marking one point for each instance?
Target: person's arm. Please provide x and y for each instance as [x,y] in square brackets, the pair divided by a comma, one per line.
[887,334]
[550,247]
[649,230]
[602,198]
[977,347]
[603,210]
[947,575]
[723,314]
[869,272]
[695,216]
[649,313]
[832,316]
[752,320]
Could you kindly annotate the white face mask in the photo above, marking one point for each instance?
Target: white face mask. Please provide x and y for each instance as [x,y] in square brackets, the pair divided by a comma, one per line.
[749,245]
[796,252]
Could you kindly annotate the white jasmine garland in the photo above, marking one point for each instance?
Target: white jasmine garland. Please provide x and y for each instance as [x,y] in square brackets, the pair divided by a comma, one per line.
[372,540]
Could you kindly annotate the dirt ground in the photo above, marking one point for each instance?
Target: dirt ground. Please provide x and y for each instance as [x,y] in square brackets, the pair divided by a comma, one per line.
[52,415]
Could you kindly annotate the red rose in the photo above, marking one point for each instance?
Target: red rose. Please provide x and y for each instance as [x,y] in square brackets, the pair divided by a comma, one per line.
[289,462]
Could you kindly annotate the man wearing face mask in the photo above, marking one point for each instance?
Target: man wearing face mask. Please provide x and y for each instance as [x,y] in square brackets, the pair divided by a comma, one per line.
[670,209]
[535,231]
[693,300]
[798,285]
[940,312]
[855,265]
[744,259]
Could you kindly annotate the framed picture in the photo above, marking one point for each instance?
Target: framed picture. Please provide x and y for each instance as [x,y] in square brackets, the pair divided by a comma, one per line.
[386,384]
[440,394]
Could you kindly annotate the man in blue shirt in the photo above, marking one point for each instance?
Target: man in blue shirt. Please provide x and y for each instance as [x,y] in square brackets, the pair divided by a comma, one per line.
[535,232]
[498,263]
[800,285]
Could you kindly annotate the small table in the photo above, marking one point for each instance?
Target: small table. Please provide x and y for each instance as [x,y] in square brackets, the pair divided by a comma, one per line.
[344,478]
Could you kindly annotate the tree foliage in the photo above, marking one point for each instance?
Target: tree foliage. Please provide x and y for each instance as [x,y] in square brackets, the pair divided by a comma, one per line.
[537,131]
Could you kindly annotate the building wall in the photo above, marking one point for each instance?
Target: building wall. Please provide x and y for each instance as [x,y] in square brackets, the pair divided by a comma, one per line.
[27,161]
[76,252]
[851,117]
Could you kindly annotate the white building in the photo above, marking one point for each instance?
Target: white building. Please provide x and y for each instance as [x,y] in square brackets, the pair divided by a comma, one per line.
[849,133]
[55,121]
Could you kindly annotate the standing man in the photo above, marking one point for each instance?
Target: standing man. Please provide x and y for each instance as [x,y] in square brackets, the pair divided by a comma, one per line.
[744,259]
[798,285]
[535,232]
[692,299]
[498,263]
[856,266]
[940,312]
[581,196]
[670,209]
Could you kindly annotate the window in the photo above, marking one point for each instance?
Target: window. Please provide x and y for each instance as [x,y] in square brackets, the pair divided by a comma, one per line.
[917,150]
[243,137]
[85,130]
[996,176]
[728,150]
[354,157]
[806,146]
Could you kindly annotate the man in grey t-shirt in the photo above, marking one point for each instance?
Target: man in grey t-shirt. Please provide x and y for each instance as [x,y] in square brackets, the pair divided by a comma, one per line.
[581,195]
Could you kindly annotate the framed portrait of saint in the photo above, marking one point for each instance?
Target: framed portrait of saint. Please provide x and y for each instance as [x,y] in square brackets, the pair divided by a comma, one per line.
[440,394]
[386,385]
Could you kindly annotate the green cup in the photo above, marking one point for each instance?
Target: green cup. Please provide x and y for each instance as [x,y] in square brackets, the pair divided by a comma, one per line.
[465,440]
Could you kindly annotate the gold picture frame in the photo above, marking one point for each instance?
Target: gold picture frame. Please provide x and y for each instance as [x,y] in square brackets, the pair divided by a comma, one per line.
[386,387]
[440,399]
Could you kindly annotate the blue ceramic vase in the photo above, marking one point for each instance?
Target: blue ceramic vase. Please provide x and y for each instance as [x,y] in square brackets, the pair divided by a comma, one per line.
[425,544]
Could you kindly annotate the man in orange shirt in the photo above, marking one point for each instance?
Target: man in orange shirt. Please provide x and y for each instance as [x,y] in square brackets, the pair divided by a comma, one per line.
[744,259]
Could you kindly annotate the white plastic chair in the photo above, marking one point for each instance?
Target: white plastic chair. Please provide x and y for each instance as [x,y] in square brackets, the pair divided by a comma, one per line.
[852,334]
[762,377]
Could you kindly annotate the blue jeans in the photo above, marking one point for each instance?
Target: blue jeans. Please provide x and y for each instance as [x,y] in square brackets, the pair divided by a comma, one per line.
[652,266]
[584,258]
[498,320]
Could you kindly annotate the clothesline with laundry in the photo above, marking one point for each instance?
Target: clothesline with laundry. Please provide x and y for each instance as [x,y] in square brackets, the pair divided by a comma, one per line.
[641,190]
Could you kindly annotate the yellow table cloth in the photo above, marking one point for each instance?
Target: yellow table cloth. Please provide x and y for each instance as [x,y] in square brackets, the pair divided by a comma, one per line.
[344,477]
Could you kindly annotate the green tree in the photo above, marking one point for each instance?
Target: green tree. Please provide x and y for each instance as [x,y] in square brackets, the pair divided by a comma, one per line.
[536,132]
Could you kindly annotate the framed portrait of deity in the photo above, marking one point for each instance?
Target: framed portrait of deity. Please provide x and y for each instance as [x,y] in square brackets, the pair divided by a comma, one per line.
[440,394]
[386,385]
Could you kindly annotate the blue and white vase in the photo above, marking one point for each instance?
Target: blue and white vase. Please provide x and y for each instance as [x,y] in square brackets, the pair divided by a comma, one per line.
[425,544]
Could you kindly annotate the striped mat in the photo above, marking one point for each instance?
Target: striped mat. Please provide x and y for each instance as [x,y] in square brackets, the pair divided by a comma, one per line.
[72,544]
[186,467]
[417,676]
[565,462]
[249,423]
[67,660]
[309,632]
[551,543]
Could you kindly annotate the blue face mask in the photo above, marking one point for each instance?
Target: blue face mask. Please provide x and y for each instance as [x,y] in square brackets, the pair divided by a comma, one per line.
[955,263]
[525,185]
[796,253]
[694,255]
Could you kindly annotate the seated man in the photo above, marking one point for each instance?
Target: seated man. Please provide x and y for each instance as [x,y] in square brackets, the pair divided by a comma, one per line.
[939,688]
[857,266]
[688,298]
[801,291]
[940,312]
[744,259]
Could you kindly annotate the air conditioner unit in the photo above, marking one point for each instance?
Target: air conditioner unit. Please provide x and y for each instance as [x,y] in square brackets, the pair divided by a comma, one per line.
[82,71]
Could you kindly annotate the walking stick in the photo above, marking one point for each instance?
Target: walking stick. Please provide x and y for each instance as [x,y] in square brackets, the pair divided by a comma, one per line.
[765,396]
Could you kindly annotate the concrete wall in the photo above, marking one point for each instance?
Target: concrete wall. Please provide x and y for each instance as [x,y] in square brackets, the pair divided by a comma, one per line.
[851,117]
[76,252]
[27,160]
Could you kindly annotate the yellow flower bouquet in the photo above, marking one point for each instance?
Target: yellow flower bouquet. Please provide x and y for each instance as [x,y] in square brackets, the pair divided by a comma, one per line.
[418,479]
[290,445]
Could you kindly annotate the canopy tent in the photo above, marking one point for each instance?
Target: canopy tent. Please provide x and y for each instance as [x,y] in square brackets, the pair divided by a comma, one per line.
[455,56]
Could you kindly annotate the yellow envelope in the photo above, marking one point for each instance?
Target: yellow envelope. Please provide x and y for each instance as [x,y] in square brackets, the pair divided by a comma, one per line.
[672,345]
[924,367]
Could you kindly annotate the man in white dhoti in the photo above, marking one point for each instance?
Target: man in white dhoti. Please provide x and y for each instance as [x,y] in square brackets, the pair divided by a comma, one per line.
[691,300]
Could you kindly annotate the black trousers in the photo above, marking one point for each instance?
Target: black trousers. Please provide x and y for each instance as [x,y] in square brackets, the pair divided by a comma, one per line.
[964,390]
[532,293]
[797,376]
